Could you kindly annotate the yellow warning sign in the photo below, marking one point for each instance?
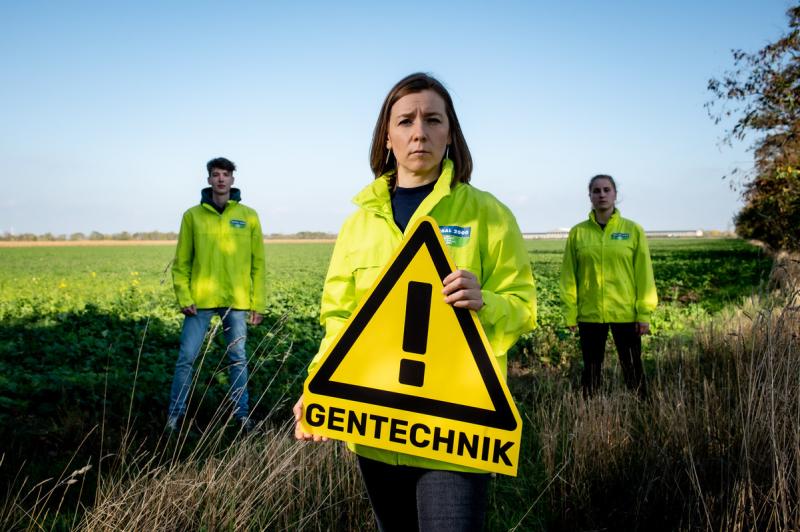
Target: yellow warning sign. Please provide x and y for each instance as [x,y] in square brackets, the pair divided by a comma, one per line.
[412,374]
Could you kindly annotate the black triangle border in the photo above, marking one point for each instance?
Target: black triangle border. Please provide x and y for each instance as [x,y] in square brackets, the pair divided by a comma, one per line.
[501,417]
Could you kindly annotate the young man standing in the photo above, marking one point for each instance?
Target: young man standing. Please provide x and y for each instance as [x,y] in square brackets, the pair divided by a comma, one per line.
[218,269]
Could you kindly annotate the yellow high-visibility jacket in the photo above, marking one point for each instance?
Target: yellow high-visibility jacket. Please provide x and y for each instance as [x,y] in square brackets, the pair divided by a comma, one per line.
[607,275]
[219,260]
[482,237]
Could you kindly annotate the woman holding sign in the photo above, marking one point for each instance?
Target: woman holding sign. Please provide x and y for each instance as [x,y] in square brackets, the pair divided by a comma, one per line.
[422,167]
[607,281]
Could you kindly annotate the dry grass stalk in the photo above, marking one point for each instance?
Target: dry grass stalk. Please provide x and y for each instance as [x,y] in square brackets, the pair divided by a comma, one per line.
[265,481]
[717,445]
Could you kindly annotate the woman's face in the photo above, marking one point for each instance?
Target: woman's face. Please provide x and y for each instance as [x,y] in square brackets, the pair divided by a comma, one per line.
[602,194]
[418,134]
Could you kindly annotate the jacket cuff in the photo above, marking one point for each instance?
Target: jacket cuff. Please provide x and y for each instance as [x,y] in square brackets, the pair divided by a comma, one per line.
[643,317]
[185,302]
[490,312]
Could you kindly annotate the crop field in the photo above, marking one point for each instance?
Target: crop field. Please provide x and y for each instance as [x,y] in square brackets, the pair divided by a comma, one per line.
[88,337]
[134,281]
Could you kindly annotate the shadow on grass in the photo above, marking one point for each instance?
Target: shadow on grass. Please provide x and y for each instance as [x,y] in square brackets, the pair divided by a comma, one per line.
[76,388]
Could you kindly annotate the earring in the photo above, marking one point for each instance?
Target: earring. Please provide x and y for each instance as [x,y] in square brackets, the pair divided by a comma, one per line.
[388,155]
[447,151]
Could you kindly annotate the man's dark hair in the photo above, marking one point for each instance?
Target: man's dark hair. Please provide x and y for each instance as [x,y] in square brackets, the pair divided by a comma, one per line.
[221,163]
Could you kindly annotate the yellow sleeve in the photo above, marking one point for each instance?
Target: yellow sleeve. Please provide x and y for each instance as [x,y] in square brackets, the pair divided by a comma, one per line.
[646,296]
[258,294]
[508,287]
[182,265]
[568,284]
[338,297]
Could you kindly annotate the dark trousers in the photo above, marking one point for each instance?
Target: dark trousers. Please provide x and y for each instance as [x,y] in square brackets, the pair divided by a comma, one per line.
[411,498]
[629,348]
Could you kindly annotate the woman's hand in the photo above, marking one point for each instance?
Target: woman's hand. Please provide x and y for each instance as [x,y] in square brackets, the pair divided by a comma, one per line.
[642,329]
[462,290]
[299,433]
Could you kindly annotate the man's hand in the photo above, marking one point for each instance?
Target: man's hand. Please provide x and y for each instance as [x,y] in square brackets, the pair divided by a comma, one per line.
[642,329]
[572,328]
[191,310]
[255,318]
[462,290]
[299,433]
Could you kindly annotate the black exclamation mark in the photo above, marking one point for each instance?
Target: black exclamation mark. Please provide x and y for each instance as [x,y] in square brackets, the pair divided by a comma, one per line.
[415,332]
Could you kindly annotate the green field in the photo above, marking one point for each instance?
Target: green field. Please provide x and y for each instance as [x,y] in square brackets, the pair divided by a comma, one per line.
[89,305]
[134,281]
[88,335]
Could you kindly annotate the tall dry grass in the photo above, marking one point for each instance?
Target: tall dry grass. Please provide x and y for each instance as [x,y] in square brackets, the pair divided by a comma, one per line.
[264,481]
[716,446]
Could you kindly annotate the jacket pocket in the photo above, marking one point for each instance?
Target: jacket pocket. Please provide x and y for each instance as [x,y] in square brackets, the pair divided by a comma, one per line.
[467,258]
[366,264]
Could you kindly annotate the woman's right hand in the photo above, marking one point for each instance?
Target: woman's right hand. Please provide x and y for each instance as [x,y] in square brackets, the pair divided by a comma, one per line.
[299,433]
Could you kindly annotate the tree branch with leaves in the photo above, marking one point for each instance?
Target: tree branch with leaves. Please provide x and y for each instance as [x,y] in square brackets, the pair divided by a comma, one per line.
[762,94]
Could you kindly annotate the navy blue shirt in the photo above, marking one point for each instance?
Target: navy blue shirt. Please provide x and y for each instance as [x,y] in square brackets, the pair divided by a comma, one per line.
[406,200]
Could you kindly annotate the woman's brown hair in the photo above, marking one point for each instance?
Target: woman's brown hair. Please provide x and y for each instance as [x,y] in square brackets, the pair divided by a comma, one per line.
[602,176]
[379,159]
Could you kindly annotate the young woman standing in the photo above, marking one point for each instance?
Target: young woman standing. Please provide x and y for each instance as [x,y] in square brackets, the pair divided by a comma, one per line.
[607,282]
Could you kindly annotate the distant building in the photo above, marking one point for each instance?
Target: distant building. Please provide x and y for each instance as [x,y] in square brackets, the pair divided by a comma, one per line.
[550,235]
[556,234]
[675,234]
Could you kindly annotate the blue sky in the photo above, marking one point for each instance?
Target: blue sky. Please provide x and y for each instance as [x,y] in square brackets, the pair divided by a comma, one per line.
[111,110]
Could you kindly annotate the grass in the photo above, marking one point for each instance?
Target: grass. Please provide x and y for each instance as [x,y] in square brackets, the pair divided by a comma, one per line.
[264,481]
[716,447]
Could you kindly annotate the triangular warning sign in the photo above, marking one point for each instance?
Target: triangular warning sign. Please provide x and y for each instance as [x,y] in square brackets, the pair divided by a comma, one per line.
[407,357]
[422,239]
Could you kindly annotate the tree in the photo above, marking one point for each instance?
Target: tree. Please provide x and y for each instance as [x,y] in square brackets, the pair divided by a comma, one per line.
[763,91]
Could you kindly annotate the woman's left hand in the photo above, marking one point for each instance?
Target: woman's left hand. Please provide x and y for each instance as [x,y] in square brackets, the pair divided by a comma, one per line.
[642,329]
[462,290]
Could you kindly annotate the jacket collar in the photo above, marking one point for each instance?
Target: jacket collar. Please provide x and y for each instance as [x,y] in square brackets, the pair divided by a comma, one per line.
[206,197]
[613,220]
[375,197]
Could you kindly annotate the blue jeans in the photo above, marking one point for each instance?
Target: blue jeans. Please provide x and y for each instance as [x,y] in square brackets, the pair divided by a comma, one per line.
[234,326]
[407,499]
